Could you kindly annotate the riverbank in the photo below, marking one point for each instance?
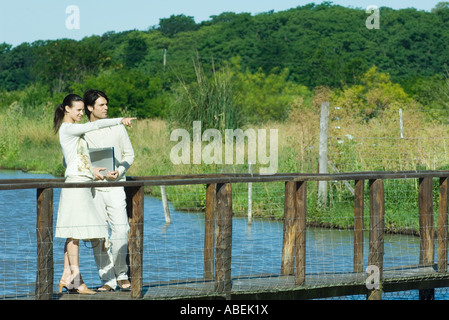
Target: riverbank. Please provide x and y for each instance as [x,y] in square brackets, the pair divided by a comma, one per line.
[30,145]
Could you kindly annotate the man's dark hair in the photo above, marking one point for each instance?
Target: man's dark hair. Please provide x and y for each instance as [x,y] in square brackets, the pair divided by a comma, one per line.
[90,96]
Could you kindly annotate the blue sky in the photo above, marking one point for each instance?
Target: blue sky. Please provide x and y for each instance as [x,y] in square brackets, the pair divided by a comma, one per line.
[31,20]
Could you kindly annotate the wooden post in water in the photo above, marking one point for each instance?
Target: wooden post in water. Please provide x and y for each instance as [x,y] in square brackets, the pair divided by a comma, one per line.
[223,243]
[44,233]
[427,250]
[135,208]
[376,235]
[300,238]
[442,225]
[165,205]
[209,231]
[358,224]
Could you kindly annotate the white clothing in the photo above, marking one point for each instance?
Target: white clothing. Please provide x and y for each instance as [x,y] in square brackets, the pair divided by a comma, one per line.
[116,137]
[78,218]
[112,265]
[74,149]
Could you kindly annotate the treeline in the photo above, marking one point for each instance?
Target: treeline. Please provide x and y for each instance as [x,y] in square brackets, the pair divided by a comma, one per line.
[271,60]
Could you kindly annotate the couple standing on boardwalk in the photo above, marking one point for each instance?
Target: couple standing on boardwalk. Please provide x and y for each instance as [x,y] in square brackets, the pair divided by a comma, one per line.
[85,213]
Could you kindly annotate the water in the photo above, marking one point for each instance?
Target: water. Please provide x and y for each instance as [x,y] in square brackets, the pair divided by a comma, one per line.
[175,251]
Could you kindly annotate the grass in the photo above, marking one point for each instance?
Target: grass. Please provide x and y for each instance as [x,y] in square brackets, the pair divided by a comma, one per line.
[29,144]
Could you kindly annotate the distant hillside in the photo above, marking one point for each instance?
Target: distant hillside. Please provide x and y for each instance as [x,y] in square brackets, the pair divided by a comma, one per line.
[318,45]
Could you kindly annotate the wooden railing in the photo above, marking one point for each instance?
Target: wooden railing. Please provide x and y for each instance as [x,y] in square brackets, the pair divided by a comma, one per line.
[218,221]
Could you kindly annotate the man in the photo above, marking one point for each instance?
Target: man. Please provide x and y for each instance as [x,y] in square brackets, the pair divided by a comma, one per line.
[112,266]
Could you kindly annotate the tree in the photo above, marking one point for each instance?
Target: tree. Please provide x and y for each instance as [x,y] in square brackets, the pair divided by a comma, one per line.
[177,23]
[61,62]
[130,92]
[265,97]
[135,50]
[375,95]
[16,66]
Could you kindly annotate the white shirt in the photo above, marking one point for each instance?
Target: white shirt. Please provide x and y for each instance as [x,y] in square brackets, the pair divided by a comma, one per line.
[74,147]
[118,138]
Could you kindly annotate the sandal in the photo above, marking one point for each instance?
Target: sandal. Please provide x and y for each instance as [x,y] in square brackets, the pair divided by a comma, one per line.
[105,288]
[124,284]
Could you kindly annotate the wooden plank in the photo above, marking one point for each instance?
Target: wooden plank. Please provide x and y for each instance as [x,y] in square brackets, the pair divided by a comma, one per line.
[44,233]
[443,225]
[135,209]
[358,224]
[376,235]
[223,243]
[300,231]
[209,231]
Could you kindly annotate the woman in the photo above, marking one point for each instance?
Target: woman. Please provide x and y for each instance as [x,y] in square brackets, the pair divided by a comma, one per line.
[77,216]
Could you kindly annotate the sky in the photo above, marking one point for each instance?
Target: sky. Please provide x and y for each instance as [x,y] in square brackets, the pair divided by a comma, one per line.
[31,20]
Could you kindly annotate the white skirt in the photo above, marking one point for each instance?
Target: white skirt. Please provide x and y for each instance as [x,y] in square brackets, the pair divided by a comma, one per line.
[78,217]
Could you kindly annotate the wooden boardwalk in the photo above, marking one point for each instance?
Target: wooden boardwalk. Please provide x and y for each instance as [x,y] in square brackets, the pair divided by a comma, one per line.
[275,287]
[280,287]
[293,282]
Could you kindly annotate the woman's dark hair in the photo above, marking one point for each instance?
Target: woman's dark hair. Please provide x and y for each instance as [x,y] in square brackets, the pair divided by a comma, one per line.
[90,96]
[60,109]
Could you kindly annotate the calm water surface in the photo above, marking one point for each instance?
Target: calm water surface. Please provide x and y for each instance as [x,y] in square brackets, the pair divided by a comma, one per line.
[175,251]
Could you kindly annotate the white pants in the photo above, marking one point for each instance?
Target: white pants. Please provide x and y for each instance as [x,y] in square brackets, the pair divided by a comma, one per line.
[111,263]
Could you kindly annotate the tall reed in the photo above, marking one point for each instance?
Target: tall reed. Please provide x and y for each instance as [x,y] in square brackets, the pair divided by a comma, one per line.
[208,100]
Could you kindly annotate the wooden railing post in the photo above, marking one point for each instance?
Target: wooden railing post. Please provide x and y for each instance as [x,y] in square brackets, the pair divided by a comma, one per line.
[300,237]
[427,249]
[442,225]
[288,244]
[135,208]
[294,242]
[426,252]
[44,233]
[376,234]
[358,224]
[209,231]
[223,243]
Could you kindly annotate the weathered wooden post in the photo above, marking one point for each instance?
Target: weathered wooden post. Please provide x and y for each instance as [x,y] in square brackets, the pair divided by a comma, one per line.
[288,244]
[300,237]
[376,235]
[223,243]
[427,249]
[442,225]
[358,224]
[323,152]
[294,242]
[44,233]
[209,231]
[135,208]
[165,205]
